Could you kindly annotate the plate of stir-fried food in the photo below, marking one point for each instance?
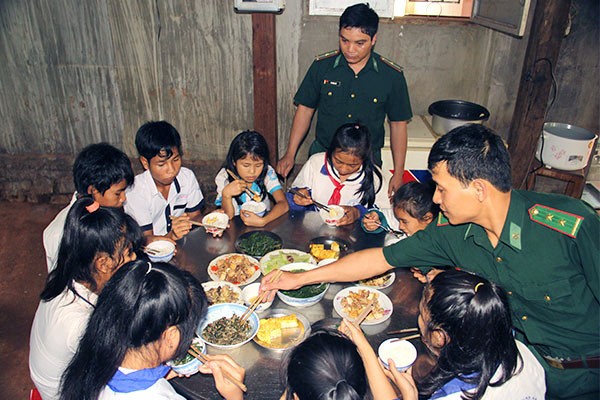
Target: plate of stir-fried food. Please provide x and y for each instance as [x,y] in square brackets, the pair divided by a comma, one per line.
[380,281]
[350,302]
[223,328]
[239,269]
[222,292]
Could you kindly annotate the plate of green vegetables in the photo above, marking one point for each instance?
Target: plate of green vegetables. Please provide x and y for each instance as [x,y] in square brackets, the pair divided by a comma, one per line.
[258,243]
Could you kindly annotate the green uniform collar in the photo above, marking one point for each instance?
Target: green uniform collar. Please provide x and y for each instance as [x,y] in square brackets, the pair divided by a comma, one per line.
[511,232]
[340,60]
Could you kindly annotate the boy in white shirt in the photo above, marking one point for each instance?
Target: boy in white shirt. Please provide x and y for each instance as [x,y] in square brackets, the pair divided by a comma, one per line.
[166,196]
[101,171]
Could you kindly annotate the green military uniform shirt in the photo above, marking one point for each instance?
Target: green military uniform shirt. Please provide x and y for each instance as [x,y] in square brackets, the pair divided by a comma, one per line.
[341,96]
[547,260]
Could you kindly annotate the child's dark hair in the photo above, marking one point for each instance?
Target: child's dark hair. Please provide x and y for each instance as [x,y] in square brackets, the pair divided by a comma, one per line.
[475,315]
[416,199]
[325,366]
[473,151]
[101,165]
[355,139]
[157,138]
[360,16]
[87,233]
[137,305]
[253,144]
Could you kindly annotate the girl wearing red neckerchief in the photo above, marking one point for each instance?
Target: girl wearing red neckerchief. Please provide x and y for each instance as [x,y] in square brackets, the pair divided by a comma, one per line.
[345,175]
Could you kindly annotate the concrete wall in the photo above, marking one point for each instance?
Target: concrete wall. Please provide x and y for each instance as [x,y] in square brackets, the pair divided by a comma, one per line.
[75,73]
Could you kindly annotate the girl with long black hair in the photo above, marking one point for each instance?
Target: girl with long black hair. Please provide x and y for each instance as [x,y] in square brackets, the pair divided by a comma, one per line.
[96,242]
[345,175]
[146,315]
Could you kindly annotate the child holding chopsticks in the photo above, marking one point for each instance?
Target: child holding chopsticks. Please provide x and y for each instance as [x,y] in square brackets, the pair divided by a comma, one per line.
[246,176]
[465,322]
[146,315]
[345,175]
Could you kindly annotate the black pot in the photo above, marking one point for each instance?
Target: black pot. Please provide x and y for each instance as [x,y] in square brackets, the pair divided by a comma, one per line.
[449,114]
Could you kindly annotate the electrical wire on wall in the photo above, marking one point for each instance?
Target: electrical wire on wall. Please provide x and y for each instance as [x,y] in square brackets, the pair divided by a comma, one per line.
[541,134]
[157,79]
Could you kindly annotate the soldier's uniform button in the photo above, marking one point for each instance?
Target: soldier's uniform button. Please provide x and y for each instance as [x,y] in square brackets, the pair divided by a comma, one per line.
[349,115]
[375,100]
[329,94]
[509,292]
[353,95]
[499,259]
[355,76]
[547,298]
[524,317]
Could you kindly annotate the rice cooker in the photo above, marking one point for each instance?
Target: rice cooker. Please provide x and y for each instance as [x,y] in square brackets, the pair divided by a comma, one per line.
[449,114]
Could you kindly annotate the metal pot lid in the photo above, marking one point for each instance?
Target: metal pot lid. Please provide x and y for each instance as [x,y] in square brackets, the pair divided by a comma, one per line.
[459,109]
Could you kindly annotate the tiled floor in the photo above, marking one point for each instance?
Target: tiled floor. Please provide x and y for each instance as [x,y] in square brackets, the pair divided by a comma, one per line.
[22,276]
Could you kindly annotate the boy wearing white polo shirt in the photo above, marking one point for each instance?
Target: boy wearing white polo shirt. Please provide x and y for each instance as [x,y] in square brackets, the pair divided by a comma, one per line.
[166,196]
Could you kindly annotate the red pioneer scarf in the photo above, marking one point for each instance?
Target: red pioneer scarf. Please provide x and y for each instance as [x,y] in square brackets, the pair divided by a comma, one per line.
[336,195]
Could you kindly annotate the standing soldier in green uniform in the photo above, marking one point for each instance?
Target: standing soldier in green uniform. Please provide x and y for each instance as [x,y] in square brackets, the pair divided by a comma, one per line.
[543,249]
[353,84]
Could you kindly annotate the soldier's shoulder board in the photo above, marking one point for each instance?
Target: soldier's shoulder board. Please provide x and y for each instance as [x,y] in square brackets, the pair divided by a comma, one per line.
[442,221]
[560,221]
[328,54]
[391,64]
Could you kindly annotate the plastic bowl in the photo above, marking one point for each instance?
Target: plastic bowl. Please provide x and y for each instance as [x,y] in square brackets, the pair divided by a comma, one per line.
[250,292]
[301,301]
[401,351]
[215,222]
[332,216]
[190,367]
[160,251]
[218,311]
[256,207]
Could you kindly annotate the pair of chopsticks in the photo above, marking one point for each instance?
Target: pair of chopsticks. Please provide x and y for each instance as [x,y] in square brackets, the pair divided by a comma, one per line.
[197,223]
[152,252]
[407,330]
[397,233]
[363,314]
[259,299]
[316,203]
[204,358]
[255,196]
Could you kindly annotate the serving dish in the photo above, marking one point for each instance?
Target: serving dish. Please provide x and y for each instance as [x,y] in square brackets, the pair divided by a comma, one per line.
[385,304]
[333,247]
[227,310]
[222,292]
[258,243]
[289,337]
[277,258]
[239,269]
[305,296]
[378,282]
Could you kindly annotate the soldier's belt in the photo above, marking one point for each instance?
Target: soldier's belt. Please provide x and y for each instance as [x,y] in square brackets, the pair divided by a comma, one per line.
[567,363]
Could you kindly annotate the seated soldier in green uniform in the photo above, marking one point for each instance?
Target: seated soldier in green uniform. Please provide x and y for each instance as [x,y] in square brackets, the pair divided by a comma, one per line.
[541,248]
[353,84]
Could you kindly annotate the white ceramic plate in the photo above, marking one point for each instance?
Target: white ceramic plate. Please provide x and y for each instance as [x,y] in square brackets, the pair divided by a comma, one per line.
[215,277]
[388,280]
[214,285]
[273,260]
[384,302]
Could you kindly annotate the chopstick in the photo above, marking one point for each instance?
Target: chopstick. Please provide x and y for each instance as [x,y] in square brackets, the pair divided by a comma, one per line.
[204,358]
[197,223]
[406,330]
[259,299]
[366,311]
[255,196]
[152,252]
[316,203]
[397,233]
[408,337]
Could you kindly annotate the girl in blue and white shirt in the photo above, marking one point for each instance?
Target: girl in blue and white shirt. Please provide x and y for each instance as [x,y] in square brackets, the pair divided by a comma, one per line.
[248,160]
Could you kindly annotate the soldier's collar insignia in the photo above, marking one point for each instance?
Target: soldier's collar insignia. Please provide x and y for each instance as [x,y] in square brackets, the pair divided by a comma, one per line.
[560,221]
[515,235]
[442,221]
